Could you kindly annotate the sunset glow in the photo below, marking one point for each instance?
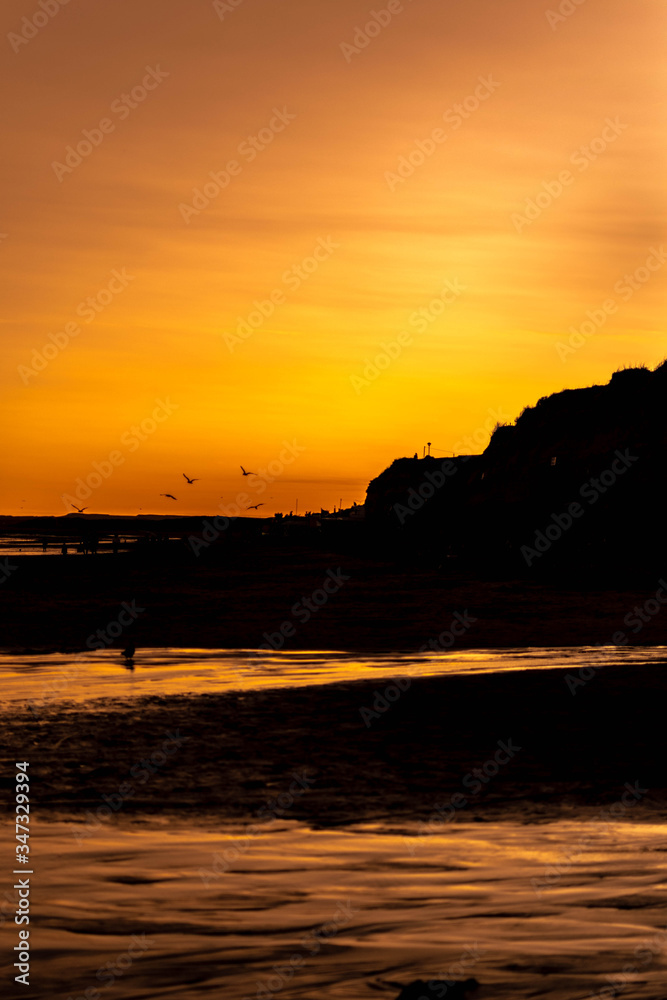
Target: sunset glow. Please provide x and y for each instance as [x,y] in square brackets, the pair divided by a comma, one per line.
[233,232]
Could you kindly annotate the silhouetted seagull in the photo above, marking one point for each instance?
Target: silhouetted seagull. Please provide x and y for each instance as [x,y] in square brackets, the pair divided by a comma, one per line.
[254,506]
[170,495]
[190,481]
[80,509]
[129,657]
[247,473]
[419,990]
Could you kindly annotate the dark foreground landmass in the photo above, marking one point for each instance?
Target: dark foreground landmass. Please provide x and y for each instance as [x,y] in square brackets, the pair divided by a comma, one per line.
[242,599]
[312,754]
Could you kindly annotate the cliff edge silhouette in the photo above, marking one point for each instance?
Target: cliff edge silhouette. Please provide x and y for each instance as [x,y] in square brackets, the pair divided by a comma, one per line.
[579,479]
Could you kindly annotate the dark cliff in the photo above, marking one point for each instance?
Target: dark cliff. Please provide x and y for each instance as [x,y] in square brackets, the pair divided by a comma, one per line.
[579,478]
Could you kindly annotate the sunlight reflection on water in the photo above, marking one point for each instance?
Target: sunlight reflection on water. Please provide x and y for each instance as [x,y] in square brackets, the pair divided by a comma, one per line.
[84,677]
[394,910]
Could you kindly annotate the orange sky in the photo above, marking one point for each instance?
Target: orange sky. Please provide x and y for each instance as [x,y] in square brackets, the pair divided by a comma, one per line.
[452,236]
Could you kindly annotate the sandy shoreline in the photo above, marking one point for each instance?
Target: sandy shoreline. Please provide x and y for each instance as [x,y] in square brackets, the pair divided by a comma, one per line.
[145,909]
[362,750]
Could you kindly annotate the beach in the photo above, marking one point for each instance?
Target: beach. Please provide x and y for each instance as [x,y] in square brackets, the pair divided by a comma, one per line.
[333,550]
[392,747]
[144,910]
[508,823]
[327,819]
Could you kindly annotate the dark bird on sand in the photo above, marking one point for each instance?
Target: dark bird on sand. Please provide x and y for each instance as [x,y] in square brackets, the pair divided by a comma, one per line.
[129,657]
[247,473]
[170,495]
[190,481]
[255,506]
[419,990]
[80,509]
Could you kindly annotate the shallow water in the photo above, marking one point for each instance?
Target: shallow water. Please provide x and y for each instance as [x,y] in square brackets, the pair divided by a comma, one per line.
[554,910]
[397,906]
[87,677]
[32,547]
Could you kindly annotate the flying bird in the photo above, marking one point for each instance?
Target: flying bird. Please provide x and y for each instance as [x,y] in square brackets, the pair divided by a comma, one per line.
[247,473]
[80,509]
[254,506]
[190,481]
[171,497]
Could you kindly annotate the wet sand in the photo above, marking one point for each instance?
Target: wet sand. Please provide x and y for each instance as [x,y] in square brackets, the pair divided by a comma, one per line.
[492,824]
[374,751]
[92,677]
[136,911]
